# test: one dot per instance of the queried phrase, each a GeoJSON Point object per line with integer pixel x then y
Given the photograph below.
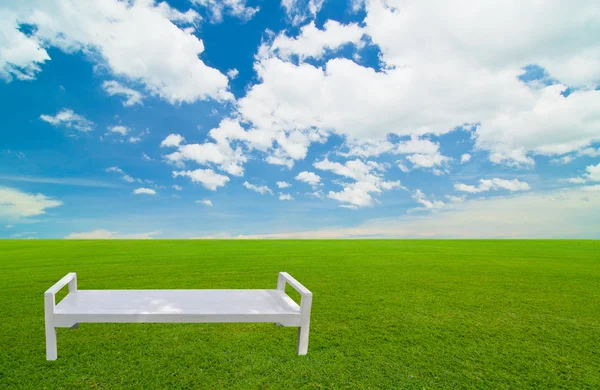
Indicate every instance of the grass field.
{"type": "Point", "coordinates": [386, 314]}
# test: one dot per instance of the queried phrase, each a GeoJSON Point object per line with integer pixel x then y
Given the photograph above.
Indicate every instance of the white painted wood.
{"type": "Point", "coordinates": [49, 312]}
{"type": "Point", "coordinates": [73, 289]}
{"type": "Point", "coordinates": [63, 282]}
{"type": "Point", "coordinates": [51, 351]}
{"type": "Point", "coordinates": [305, 308]}
{"type": "Point", "coordinates": [176, 306]}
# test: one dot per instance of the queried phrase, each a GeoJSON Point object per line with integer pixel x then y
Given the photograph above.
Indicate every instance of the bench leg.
{"type": "Point", "coordinates": [302, 340]}
{"type": "Point", "coordinates": [278, 324]}
{"type": "Point", "coordinates": [51, 351]}
{"type": "Point", "coordinates": [75, 326]}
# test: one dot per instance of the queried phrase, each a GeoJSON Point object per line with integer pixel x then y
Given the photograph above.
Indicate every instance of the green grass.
{"type": "Point", "coordinates": [386, 314]}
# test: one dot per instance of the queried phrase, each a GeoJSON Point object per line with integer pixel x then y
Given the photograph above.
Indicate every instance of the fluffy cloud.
{"type": "Point", "coordinates": [458, 79]}
{"type": "Point", "coordinates": [298, 11]}
{"type": "Point", "coordinates": [69, 119]}
{"type": "Point", "coordinates": [20, 55]}
{"type": "Point", "coordinates": [132, 97]}
{"type": "Point", "coordinates": [493, 184]}
{"type": "Point", "coordinates": [283, 184]}
{"type": "Point", "coordinates": [118, 129]}
{"type": "Point", "coordinates": [283, 196]}
{"type": "Point", "coordinates": [103, 234]}
{"type": "Point", "coordinates": [465, 158]}
{"type": "Point", "coordinates": [309, 177]}
{"type": "Point", "coordinates": [219, 153]}
{"type": "Point", "coordinates": [260, 189]}
{"type": "Point", "coordinates": [420, 197]}
{"type": "Point", "coordinates": [15, 204]}
{"type": "Point", "coordinates": [235, 8]}
{"type": "Point", "coordinates": [232, 73]}
{"type": "Point", "coordinates": [207, 177]}
{"type": "Point", "coordinates": [313, 42]}
{"type": "Point", "coordinates": [144, 191]}
{"type": "Point", "coordinates": [172, 140]}
{"type": "Point", "coordinates": [136, 40]}
{"type": "Point", "coordinates": [540, 128]}
{"type": "Point", "coordinates": [205, 202]}
{"type": "Point", "coordinates": [367, 180]}
{"type": "Point", "coordinates": [592, 173]}
{"type": "Point", "coordinates": [367, 147]}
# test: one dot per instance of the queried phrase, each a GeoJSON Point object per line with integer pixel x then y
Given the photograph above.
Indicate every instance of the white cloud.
{"type": "Point", "coordinates": [457, 79]}
{"type": "Point", "coordinates": [69, 119]}
{"type": "Point", "coordinates": [455, 199]}
{"type": "Point", "coordinates": [309, 177]}
{"type": "Point", "coordinates": [540, 129]}
{"type": "Point", "coordinates": [423, 153]}
{"type": "Point", "coordinates": [134, 140]}
{"type": "Point", "coordinates": [172, 140]}
{"type": "Point", "coordinates": [465, 158]}
{"type": "Point", "coordinates": [493, 184]}
{"type": "Point", "coordinates": [140, 41]}
{"type": "Point", "coordinates": [367, 180]}
{"type": "Point", "coordinates": [232, 73]}
{"type": "Point", "coordinates": [207, 177]}
{"type": "Point", "coordinates": [591, 152]}
{"type": "Point", "coordinates": [427, 160]}
{"type": "Point", "coordinates": [562, 160]}
{"type": "Point", "coordinates": [219, 153]}
{"type": "Point", "coordinates": [235, 8]}
{"type": "Point", "coordinates": [145, 191]}
{"type": "Point", "coordinates": [286, 162]}
{"type": "Point", "coordinates": [367, 147]}
{"type": "Point", "coordinates": [260, 189]}
{"type": "Point", "coordinates": [318, 194]}
{"type": "Point", "coordinates": [420, 197]}
{"type": "Point", "coordinates": [416, 145]}
{"type": "Point", "coordinates": [118, 129]}
{"type": "Point", "coordinates": [592, 173]}
{"type": "Point", "coordinates": [15, 204]}
{"type": "Point", "coordinates": [125, 176]}
{"type": "Point", "coordinates": [132, 97]}
{"type": "Point", "coordinates": [20, 55]}
{"type": "Point", "coordinates": [283, 184]}
{"type": "Point", "coordinates": [402, 166]}
{"type": "Point", "coordinates": [145, 157]}
{"type": "Point", "coordinates": [525, 215]}
{"type": "Point", "coordinates": [283, 196]}
{"type": "Point", "coordinates": [177, 187]}
{"type": "Point", "coordinates": [205, 202]}
{"type": "Point", "coordinates": [313, 42]}
{"type": "Point", "coordinates": [298, 11]}
{"type": "Point", "coordinates": [102, 234]}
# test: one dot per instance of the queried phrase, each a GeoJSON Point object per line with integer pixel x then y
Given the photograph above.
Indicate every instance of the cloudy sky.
{"type": "Point", "coordinates": [324, 119]}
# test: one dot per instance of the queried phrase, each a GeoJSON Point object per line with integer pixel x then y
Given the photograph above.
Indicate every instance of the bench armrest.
{"type": "Point", "coordinates": [305, 302]}
{"type": "Point", "coordinates": [70, 279]}
{"type": "Point", "coordinates": [285, 277]}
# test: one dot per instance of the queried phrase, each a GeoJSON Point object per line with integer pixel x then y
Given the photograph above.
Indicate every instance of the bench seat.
{"type": "Point", "coordinates": [177, 306]}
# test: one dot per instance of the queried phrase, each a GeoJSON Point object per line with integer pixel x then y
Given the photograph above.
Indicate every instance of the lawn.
{"type": "Point", "coordinates": [386, 314]}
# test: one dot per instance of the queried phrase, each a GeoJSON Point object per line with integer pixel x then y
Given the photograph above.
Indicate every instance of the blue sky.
{"type": "Point", "coordinates": [307, 119]}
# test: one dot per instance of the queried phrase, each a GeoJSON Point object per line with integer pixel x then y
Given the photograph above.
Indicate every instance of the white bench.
{"type": "Point", "coordinates": [176, 306]}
